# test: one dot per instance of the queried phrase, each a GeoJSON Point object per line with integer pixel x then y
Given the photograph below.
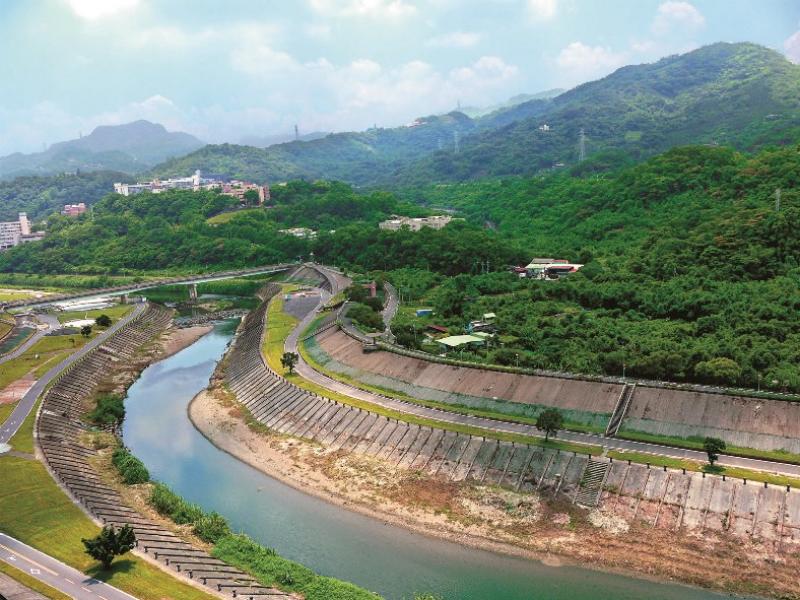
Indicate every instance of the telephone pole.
{"type": "Point", "coordinates": [581, 146]}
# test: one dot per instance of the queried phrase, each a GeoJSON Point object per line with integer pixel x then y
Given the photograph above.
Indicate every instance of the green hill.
{"type": "Point", "coordinates": [741, 95]}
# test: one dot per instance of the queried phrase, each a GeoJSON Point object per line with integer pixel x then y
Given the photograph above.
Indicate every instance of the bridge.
{"type": "Point", "coordinates": [133, 288]}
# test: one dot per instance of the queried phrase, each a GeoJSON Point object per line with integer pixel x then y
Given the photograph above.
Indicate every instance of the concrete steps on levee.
{"type": "Point", "coordinates": [591, 484]}
{"type": "Point", "coordinates": [621, 409]}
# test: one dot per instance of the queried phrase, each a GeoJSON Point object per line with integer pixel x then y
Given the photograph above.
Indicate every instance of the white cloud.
{"type": "Point", "coordinates": [99, 9]}
{"type": "Point", "coordinates": [577, 56]}
{"type": "Point", "coordinates": [374, 9]}
{"type": "Point", "coordinates": [792, 47]}
{"type": "Point", "coordinates": [455, 39]}
{"type": "Point", "coordinates": [542, 10]}
{"type": "Point", "coordinates": [679, 14]}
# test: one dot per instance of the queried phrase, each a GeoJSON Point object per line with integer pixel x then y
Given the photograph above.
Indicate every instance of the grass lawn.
{"type": "Point", "coordinates": [697, 444]}
{"type": "Point", "coordinates": [5, 410]}
{"type": "Point", "coordinates": [34, 510]}
{"type": "Point", "coordinates": [32, 583]}
{"type": "Point", "coordinates": [227, 216]}
{"type": "Point", "coordinates": [115, 312]}
{"type": "Point", "coordinates": [280, 324]}
{"type": "Point", "coordinates": [49, 349]}
{"type": "Point", "coordinates": [692, 465]}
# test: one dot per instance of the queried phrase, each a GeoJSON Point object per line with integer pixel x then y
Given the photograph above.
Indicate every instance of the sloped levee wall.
{"type": "Point", "coordinates": [584, 402]}
{"type": "Point", "coordinates": [740, 421]}
{"type": "Point", "coordinates": [743, 422]}
{"type": "Point", "coordinates": [666, 499]}
{"type": "Point", "coordinates": [58, 431]}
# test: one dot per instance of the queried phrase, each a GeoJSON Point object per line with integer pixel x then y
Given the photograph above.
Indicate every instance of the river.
{"type": "Point", "coordinates": [333, 541]}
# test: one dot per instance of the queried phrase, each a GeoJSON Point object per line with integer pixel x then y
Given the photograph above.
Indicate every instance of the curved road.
{"type": "Point", "coordinates": [308, 372]}
{"type": "Point", "coordinates": [23, 408]}
{"type": "Point", "coordinates": [55, 573]}
{"type": "Point", "coordinates": [49, 320]}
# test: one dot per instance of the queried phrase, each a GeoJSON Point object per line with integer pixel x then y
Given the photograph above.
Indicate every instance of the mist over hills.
{"type": "Point", "coordinates": [742, 94]}
{"type": "Point", "coordinates": [131, 148]}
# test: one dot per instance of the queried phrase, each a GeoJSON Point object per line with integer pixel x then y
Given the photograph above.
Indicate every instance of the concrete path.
{"type": "Point", "coordinates": [55, 573]}
{"type": "Point", "coordinates": [308, 372]}
{"type": "Point", "coordinates": [23, 408]}
{"type": "Point", "coordinates": [390, 308]}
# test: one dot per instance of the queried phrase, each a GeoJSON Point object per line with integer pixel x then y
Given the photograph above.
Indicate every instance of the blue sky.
{"type": "Point", "coordinates": [225, 69]}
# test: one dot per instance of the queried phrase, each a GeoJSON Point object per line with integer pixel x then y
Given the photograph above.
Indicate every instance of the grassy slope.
{"type": "Point", "coordinates": [115, 312]}
{"type": "Point", "coordinates": [34, 510]}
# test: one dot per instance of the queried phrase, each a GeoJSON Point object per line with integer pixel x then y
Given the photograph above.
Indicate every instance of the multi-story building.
{"type": "Point", "coordinates": [415, 223]}
{"type": "Point", "coordinates": [73, 210]}
{"type": "Point", "coordinates": [14, 233]}
{"type": "Point", "coordinates": [196, 182]}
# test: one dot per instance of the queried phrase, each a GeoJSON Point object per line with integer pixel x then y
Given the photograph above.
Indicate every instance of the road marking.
{"type": "Point", "coordinates": [86, 589]}
{"type": "Point", "coordinates": [36, 572]}
{"type": "Point", "coordinates": [30, 560]}
{"type": "Point", "coordinates": [69, 581]}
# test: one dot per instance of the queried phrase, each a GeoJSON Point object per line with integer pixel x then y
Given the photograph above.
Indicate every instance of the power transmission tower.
{"type": "Point", "coordinates": [296, 133]}
{"type": "Point", "coordinates": [456, 145]}
{"type": "Point", "coordinates": [778, 200]}
{"type": "Point", "coordinates": [581, 146]}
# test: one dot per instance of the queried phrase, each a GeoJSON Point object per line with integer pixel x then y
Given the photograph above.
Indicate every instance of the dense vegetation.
{"type": "Point", "coordinates": [40, 196]}
{"type": "Point", "coordinates": [692, 272]}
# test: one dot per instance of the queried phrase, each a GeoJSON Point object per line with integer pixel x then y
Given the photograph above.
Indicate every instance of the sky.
{"type": "Point", "coordinates": [225, 69]}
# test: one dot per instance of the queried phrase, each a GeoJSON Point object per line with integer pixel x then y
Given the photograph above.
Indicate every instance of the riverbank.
{"type": "Point", "coordinates": [550, 530]}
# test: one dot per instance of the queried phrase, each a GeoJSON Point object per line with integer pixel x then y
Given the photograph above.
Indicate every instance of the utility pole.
{"type": "Point", "coordinates": [456, 145]}
{"type": "Point", "coordinates": [778, 200]}
{"type": "Point", "coordinates": [296, 132]}
{"type": "Point", "coordinates": [581, 146]}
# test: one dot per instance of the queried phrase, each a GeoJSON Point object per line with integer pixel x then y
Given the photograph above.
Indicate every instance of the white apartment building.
{"type": "Point", "coordinates": [13, 233]}
{"type": "Point", "coordinates": [415, 223]}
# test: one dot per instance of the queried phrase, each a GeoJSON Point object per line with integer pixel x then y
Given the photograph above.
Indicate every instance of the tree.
{"type": "Point", "coordinates": [110, 543]}
{"type": "Point", "coordinates": [289, 360]}
{"type": "Point", "coordinates": [103, 321]}
{"type": "Point", "coordinates": [713, 446]}
{"type": "Point", "coordinates": [86, 330]}
{"type": "Point", "coordinates": [551, 421]}
{"type": "Point", "coordinates": [251, 198]}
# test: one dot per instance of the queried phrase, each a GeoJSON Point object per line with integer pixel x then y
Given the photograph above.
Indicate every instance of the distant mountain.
{"type": "Point", "coordinates": [475, 112]}
{"type": "Point", "coordinates": [742, 95]}
{"type": "Point", "coordinates": [355, 156]}
{"type": "Point", "coordinates": [130, 148]}
{"type": "Point", "coordinates": [265, 141]}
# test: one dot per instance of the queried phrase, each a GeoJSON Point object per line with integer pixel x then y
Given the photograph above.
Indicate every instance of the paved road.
{"type": "Point", "coordinates": [56, 574]}
{"type": "Point", "coordinates": [308, 372]}
{"type": "Point", "coordinates": [23, 408]}
{"type": "Point", "coordinates": [49, 320]}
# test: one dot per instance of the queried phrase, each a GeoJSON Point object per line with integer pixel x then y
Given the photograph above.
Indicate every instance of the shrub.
{"type": "Point", "coordinates": [374, 303]}
{"type": "Point", "coordinates": [171, 505]}
{"type": "Point", "coordinates": [366, 317]}
{"type": "Point", "coordinates": [109, 410]}
{"type": "Point", "coordinates": [211, 527]}
{"type": "Point", "coordinates": [130, 468]}
{"type": "Point", "coordinates": [103, 321]}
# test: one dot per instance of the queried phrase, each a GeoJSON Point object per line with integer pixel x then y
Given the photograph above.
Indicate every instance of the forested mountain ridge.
{"type": "Point", "coordinates": [355, 157]}
{"type": "Point", "coordinates": [131, 148]}
{"type": "Point", "coordinates": [40, 195]}
{"type": "Point", "coordinates": [742, 95]}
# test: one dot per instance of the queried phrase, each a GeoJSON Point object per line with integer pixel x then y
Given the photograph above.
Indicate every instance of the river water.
{"type": "Point", "coordinates": [333, 541]}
